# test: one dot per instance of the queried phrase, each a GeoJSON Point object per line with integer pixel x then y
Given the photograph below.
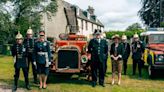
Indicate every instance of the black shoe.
{"type": "Point", "coordinates": [93, 84]}
{"type": "Point", "coordinates": [140, 78]}
{"type": "Point", "coordinates": [102, 85]}
{"type": "Point", "coordinates": [14, 88]}
{"type": "Point", "coordinates": [28, 87]}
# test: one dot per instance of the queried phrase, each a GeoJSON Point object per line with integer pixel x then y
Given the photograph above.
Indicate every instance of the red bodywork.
{"type": "Point", "coordinates": [157, 47]}
{"type": "Point", "coordinates": [75, 41]}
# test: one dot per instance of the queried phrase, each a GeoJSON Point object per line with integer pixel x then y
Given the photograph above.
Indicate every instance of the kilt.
{"type": "Point", "coordinates": [116, 66]}
{"type": "Point", "coordinates": [41, 69]}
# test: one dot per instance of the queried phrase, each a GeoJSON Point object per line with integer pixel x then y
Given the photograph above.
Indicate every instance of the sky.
{"type": "Point", "coordinates": [114, 14]}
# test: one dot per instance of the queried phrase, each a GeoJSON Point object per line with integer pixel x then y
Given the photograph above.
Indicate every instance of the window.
{"type": "Point", "coordinates": [156, 38]}
{"type": "Point", "coordinates": [92, 27]}
{"type": "Point", "coordinates": [82, 25]}
{"type": "Point", "coordinates": [86, 25]}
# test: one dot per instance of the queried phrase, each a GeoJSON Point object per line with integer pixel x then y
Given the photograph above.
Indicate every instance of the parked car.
{"type": "Point", "coordinates": [154, 53]}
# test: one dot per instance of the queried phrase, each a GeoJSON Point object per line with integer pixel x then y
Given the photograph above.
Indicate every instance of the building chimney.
{"type": "Point", "coordinates": [91, 10]}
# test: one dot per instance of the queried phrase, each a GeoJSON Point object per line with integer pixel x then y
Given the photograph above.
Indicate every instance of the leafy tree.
{"type": "Point", "coordinates": [150, 12]}
{"type": "Point", "coordinates": [129, 34]}
{"type": "Point", "coordinates": [6, 26]}
{"type": "Point", "coordinates": [134, 27]}
{"type": "Point", "coordinates": [26, 13]}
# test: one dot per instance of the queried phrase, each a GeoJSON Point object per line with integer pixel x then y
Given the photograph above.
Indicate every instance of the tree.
{"type": "Point", "coordinates": [5, 26]}
{"type": "Point", "coordinates": [150, 12]}
{"type": "Point", "coordinates": [134, 27]}
{"type": "Point", "coordinates": [27, 13]}
{"type": "Point", "coordinates": [129, 34]}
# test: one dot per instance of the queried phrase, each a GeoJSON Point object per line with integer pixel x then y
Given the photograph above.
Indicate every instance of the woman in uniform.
{"type": "Point", "coordinates": [42, 51]}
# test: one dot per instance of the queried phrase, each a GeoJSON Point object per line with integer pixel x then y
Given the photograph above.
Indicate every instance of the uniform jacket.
{"type": "Point", "coordinates": [137, 49]}
{"type": "Point", "coordinates": [116, 51]}
{"type": "Point", "coordinates": [126, 50]}
{"type": "Point", "coordinates": [29, 45]}
{"type": "Point", "coordinates": [19, 53]}
{"type": "Point", "coordinates": [42, 52]}
{"type": "Point", "coordinates": [98, 49]}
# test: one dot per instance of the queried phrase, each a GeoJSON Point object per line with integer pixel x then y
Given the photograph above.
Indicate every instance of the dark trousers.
{"type": "Point", "coordinates": [106, 60]}
{"type": "Point", "coordinates": [34, 70]}
{"type": "Point", "coordinates": [125, 65]}
{"type": "Point", "coordinates": [96, 67]}
{"type": "Point", "coordinates": [139, 63]}
{"type": "Point", "coordinates": [17, 73]}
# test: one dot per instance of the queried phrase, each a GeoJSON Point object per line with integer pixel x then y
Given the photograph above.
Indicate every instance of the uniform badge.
{"type": "Point", "coordinates": [138, 45]}
{"type": "Point", "coordinates": [24, 49]}
{"type": "Point", "coordinates": [44, 43]}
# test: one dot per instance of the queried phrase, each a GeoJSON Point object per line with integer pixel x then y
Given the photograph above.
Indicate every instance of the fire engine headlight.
{"type": "Point", "coordinates": [160, 57]}
{"type": "Point", "coordinates": [84, 59]}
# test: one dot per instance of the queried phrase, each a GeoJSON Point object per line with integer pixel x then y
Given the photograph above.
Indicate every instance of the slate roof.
{"type": "Point", "coordinates": [82, 15]}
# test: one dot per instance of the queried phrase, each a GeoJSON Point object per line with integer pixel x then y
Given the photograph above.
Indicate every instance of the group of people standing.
{"type": "Point", "coordinates": [119, 50]}
{"type": "Point", "coordinates": [31, 51]}
{"type": "Point", "coordinates": [37, 52]}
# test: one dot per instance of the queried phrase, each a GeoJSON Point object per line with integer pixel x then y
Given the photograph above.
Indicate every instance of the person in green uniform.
{"type": "Point", "coordinates": [137, 52]}
{"type": "Point", "coordinates": [116, 53]}
{"type": "Point", "coordinates": [98, 51]}
{"type": "Point", "coordinates": [29, 44]}
{"type": "Point", "coordinates": [126, 52]}
{"type": "Point", "coordinates": [19, 53]}
{"type": "Point", "coordinates": [43, 58]}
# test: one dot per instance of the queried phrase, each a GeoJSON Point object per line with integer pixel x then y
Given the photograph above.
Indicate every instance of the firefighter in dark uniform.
{"type": "Point", "coordinates": [116, 53]}
{"type": "Point", "coordinates": [126, 52]}
{"type": "Point", "coordinates": [106, 60]}
{"type": "Point", "coordinates": [29, 44]}
{"type": "Point", "coordinates": [43, 58]}
{"type": "Point", "coordinates": [137, 52]}
{"type": "Point", "coordinates": [19, 53]}
{"type": "Point", "coordinates": [98, 51]}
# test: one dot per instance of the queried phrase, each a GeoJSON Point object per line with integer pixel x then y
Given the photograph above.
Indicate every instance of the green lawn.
{"type": "Point", "coordinates": [62, 83]}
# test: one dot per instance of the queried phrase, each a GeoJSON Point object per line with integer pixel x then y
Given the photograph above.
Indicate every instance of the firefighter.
{"type": "Point", "coordinates": [137, 52]}
{"type": "Point", "coordinates": [98, 51]}
{"type": "Point", "coordinates": [126, 52]}
{"type": "Point", "coordinates": [19, 53]}
{"type": "Point", "coordinates": [29, 44]}
{"type": "Point", "coordinates": [43, 56]}
{"type": "Point", "coordinates": [116, 53]}
{"type": "Point", "coordinates": [104, 37]}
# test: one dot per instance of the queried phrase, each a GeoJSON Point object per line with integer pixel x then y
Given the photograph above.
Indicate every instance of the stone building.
{"type": "Point", "coordinates": [86, 21]}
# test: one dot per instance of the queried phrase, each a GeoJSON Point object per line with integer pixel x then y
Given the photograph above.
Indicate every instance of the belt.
{"type": "Point", "coordinates": [19, 56]}
{"type": "Point", "coordinates": [42, 53]}
{"type": "Point", "coordinates": [30, 50]}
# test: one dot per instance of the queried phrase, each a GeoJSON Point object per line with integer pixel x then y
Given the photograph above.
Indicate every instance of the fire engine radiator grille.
{"type": "Point", "coordinates": [68, 59]}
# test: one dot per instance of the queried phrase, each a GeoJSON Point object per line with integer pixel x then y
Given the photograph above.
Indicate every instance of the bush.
{"type": "Point", "coordinates": [129, 34]}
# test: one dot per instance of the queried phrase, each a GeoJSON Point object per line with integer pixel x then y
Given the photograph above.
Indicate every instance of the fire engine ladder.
{"type": "Point", "coordinates": [71, 20]}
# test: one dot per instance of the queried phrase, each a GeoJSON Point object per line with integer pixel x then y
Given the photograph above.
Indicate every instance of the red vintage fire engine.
{"type": "Point", "coordinates": [70, 51]}
{"type": "Point", "coordinates": [70, 55]}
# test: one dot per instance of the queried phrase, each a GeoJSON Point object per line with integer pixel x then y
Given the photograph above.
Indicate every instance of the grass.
{"type": "Point", "coordinates": [63, 83]}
